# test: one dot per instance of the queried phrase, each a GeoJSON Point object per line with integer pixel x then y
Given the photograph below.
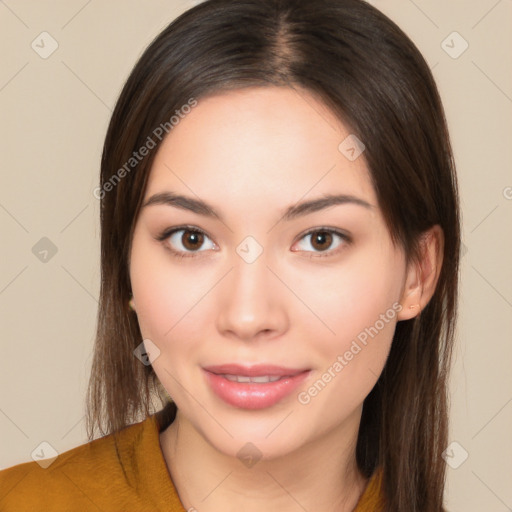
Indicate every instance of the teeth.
{"type": "Point", "coordinates": [257, 380]}
{"type": "Point", "coordinates": [265, 378]}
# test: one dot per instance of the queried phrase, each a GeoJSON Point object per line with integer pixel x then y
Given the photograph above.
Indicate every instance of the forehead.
{"type": "Point", "coordinates": [259, 146]}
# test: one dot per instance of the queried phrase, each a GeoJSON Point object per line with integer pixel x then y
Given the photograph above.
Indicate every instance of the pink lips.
{"type": "Point", "coordinates": [253, 387]}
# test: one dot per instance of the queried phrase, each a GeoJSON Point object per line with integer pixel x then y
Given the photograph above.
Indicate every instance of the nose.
{"type": "Point", "coordinates": [252, 302]}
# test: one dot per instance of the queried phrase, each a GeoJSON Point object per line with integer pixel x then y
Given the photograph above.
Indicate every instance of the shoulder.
{"type": "Point", "coordinates": [88, 477]}
{"type": "Point", "coordinates": [372, 499]}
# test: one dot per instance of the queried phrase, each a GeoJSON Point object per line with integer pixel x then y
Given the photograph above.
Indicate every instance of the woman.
{"type": "Point", "coordinates": [280, 251]}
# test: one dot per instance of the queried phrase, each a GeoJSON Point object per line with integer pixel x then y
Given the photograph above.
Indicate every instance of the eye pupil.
{"type": "Point", "coordinates": [194, 237]}
{"type": "Point", "coordinates": [323, 238]}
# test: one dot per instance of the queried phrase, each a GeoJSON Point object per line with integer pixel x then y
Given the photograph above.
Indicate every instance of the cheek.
{"type": "Point", "coordinates": [166, 292]}
{"type": "Point", "coordinates": [352, 297]}
{"type": "Point", "coordinates": [359, 303]}
{"type": "Point", "coordinates": [169, 313]}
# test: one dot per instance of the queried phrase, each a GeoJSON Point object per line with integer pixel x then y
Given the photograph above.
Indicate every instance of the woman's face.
{"type": "Point", "coordinates": [274, 322]}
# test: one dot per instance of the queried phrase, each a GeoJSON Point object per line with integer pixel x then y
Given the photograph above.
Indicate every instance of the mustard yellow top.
{"type": "Point", "coordinates": [90, 478]}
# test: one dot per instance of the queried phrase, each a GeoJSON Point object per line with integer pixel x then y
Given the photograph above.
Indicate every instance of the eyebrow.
{"type": "Point", "coordinates": [292, 212]}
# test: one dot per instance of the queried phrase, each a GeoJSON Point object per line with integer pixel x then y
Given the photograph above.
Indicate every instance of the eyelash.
{"type": "Point", "coordinates": [162, 237]}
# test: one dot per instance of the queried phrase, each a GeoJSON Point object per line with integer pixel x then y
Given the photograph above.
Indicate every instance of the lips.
{"type": "Point", "coordinates": [253, 387]}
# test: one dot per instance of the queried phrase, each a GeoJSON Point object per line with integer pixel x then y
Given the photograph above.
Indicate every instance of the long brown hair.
{"type": "Point", "coordinates": [370, 74]}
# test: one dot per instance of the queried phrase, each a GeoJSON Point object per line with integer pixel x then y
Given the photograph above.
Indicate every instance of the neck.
{"type": "Point", "coordinates": [321, 475]}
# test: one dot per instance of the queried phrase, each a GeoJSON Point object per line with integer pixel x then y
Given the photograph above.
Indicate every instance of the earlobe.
{"type": "Point", "coordinates": [410, 301]}
{"type": "Point", "coordinates": [423, 274]}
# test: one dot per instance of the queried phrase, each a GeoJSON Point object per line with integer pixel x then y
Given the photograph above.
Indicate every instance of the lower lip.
{"type": "Point", "coordinates": [253, 396]}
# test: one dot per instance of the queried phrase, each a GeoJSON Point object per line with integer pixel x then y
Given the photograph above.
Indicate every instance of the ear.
{"type": "Point", "coordinates": [422, 276]}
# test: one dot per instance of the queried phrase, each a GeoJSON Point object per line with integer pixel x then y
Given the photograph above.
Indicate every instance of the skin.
{"type": "Point", "coordinates": [251, 154]}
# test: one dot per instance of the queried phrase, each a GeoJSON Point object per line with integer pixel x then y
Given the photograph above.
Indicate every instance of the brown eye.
{"type": "Point", "coordinates": [324, 242]}
{"type": "Point", "coordinates": [185, 241]}
{"type": "Point", "coordinates": [321, 240]}
{"type": "Point", "coordinates": [191, 240]}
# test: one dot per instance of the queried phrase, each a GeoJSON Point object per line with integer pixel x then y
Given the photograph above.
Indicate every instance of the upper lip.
{"type": "Point", "coordinates": [256, 370]}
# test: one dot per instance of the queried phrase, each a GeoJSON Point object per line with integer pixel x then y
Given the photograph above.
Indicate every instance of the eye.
{"type": "Point", "coordinates": [185, 241]}
{"type": "Point", "coordinates": [324, 240]}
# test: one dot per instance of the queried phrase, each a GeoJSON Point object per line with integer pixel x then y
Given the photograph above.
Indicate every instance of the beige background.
{"type": "Point", "coordinates": [54, 116]}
